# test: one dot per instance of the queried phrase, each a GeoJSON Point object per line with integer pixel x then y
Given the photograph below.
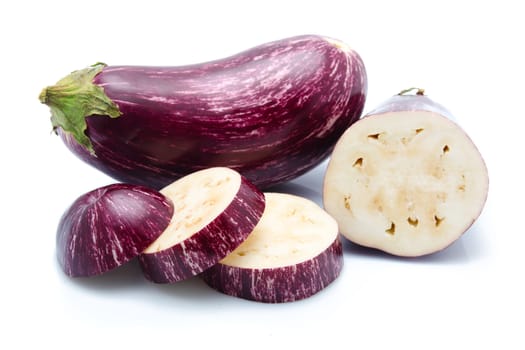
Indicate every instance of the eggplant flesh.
{"type": "Point", "coordinates": [405, 179]}
{"type": "Point", "coordinates": [293, 253]}
{"type": "Point", "coordinates": [215, 211]}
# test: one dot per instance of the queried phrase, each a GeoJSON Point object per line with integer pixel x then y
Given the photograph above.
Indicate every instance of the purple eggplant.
{"type": "Point", "coordinates": [293, 253]}
{"type": "Point", "coordinates": [271, 113]}
{"type": "Point", "coordinates": [109, 226]}
{"type": "Point", "coordinates": [215, 211]}
{"type": "Point", "coordinates": [405, 179]}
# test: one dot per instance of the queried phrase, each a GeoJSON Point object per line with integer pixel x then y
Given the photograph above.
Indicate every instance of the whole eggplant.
{"type": "Point", "coordinates": [271, 113]}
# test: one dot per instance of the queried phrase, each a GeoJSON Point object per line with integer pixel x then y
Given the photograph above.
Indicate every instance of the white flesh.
{"type": "Point", "coordinates": [198, 199]}
{"type": "Point", "coordinates": [408, 183]}
{"type": "Point", "coordinates": [292, 230]}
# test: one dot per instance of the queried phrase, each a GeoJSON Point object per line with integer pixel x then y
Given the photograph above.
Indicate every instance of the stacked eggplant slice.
{"type": "Point", "coordinates": [212, 223]}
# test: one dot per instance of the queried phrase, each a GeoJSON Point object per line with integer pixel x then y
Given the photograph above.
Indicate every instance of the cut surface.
{"type": "Point", "coordinates": [292, 230]}
{"type": "Point", "coordinates": [408, 183]}
{"type": "Point", "coordinates": [291, 254]}
{"type": "Point", "coordinates": [198, 199]}
{"type": "Point", "coordinates": [217, 210]}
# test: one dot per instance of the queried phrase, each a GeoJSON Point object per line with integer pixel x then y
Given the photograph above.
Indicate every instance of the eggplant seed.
{"type": "Point", "coordinates": [438, 220]}
{"type": "Point", "coordinates": [413, 222]}
{"type": "Point", "coordinates": [346, 200]}
{"type": "Point", "coordinates": [392, 229]}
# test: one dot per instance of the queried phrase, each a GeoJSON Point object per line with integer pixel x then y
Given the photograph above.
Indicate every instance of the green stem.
{"type": "Point", "coordinates": [419, 91]}
{"type": "Point", "coordinates": [74, 98]}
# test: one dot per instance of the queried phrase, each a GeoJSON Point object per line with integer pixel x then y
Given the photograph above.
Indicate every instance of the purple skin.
{"type": "Point", "coordinates": [406, 103]}
{"type": "Point", "coordinates": [211, 244]}
{"type": "Point", "coordinates": [109, 226]}
{"type": "Point", "coordinates": [271, 113]}
{"type": "Point", "coordinates": [278, 285]}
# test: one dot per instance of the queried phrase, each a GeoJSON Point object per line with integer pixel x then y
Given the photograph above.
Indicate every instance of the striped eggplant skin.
{"type": "Point", "coordinates": [271, 113]}
{"type": "Point", "coordinates": [403, 102]}
{"type": "Point", "coordinates": [210, 244]}
{"type": "Point", "coordinates": [109, 226]}
{"type": "Point", "coordinates": [279, 284]}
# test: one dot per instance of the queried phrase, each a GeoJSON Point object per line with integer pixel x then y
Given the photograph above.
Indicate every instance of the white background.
{"type": "Point", "coordinates": [467, 55]}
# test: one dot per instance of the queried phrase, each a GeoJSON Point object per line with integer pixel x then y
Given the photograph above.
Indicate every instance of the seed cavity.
{"type": "Point", "coordinates": [209, 202]}
{"type": "Point", "coordinates": [445, 149]}
{"type": "Point", "coordinates": [406, 139]}
{"type": "Point", "coordinates": [413, 221]}
{"type": "Point", "coordinates": [307, 219]}
{"type": "Point", "coordinates": [241, 253]}
{"type": "Point", "coordinates": [220, 182]}
{"type": "Point", "coordinates": [462, 186]}
{"type": "Point", "coordinates": [392, 229]}
{"type": "Point", "coordinates": [438, 220]}
{"type": "Point", "coordinates": [377, 203]}
{"type": "Point", "coordinates": [358, 162]}
{"type": "Point", "coordinates": [346, 200]}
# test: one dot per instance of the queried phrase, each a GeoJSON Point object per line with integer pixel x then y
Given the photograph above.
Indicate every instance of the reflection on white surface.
{"type": "Point", "coordinates": [309, 185]}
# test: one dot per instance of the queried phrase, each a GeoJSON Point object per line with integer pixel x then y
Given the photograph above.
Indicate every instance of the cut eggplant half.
{"type": "Point", "coordinates": [215, 210]}
{"type": "Point", "coordinates": [293, 253]}
{"type": "Point", "coordinates": [109, 226]}
{"type": "Point", "coordinates": [405, 179]}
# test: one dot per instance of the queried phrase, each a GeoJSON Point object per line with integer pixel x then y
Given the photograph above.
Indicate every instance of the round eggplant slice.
{"type": "Point", "coordinates": [109, 226]}
{"type": "Point", "coordinates": [405, 179]}
{"type": "Point", "coordinates": [215, 210]}
{"type": "Point", "coordinates": [293, 253]}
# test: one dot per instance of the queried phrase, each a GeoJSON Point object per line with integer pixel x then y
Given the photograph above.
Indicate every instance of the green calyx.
{"type": "Point", "coordinates": [74, 98]}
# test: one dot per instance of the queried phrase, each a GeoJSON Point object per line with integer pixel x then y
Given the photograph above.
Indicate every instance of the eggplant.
{"type": "Point", "coordinates": [215, 211]}
{"type": "Point", "coordinates": [271, 113]}
{"type": "Point", "coordinates": [405, 179]}
{"type": "Point", "coordinates": [108, 226]}
{"type": "Point", "coordinates": [293, 253]}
